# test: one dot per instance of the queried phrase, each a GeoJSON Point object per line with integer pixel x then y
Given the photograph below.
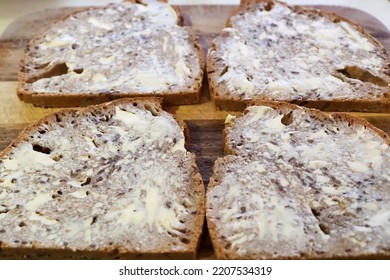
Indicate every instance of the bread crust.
{"type": "Point", "coordinates": [231, 155]}
{"type": "Point", "coordinates": [219, 245]}
{"type": "Point", "coordinates": [72, 99]}
{"type": "Point", "coordinates": [322, 116]}
{"type": "Point", "coordinates": [39, 251]}
{"type": "Point", "coordinates": [235, 103]}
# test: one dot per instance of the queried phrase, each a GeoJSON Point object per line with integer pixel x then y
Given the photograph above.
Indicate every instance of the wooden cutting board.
{"type": "Point", "coordinates": [204, 120]}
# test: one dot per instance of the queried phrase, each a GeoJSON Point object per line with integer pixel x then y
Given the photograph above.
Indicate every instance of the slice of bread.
{"type": "Point", "coordinates": [108, 181]}
{"type": "Point", "coordinates": [120, 50]}
{"type": "Point", "coordinates": [272, 51]}
{"type": "Point", "coordinates": [300, 184]}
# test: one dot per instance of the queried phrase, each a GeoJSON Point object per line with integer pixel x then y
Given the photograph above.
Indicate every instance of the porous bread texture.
{"type": "Point", "coordinates": [119, 50]}
{"type": "Point", "coordinates": [300, 184]}
{"type": "Point", "coordinates": [271, 51]}
{"type": "Point", "coordinates": [109, 181]}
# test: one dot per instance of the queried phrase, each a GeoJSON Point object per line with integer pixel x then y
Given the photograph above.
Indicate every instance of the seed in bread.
{"type": "Point", "coordinates": [272, 51]}
{"type": "Point", "coordinates": [300, 184]}
{"type": "Point", "coordinates": [119, 50]}
{"type": "Point", "coordinates": [108, 181]}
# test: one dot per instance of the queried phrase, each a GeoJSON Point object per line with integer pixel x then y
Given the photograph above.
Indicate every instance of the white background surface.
{"type": "Point", "coordinates": [281, 270]}
{"type": "Point", "coordinates": [11, 9]}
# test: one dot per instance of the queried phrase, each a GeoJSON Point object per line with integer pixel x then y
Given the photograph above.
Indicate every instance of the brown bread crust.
{"type": "Point", "coordinates": [72, 99]}
{"type": "Point", "coordinates": [223, 166]}
{"type": "Point", "coordinates": [235, 103]}
{"type": "Point", "coordinates": [37, 250]}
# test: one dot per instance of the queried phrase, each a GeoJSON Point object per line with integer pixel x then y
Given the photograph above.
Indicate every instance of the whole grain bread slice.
{"type": "Point", "coordinates": [97, 54]}
{"type": "Point", "coordinates": [108, 181]}
{"type": "Point", "coordinates": [299, 184]}
{"type": "Point", "coordinates": [272, 51]}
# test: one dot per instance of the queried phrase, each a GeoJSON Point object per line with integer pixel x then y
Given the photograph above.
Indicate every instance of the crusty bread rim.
{"type": "Point", "coordinates": [246, 5]}
{"type": "Point", "coordinates": [337, 104]}
{"type": "Point", "coordinates": [222, 254]}
{"type": "Point", "coordinates": [236, 104]}
{"type": "Point", "coordinates": [353, 120]}
{"type": "Point", "coordinates": [285, 106]}
{"type": "Point", "coordinates": [231, 154]}
{"type": "Point", "coordinates": [191, 96]}
{"type": "Point", "coordinates": [60, 252]}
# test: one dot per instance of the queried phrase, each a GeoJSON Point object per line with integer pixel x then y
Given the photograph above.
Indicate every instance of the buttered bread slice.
{"type": "Point", "coordinates": [271, 51]}
{"type": "Point", "coordinates": [119, 50]}
{"type": "Point", "coordinates": [300, 184]}
{"type": "Point", "coordinates": [109, 181]}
